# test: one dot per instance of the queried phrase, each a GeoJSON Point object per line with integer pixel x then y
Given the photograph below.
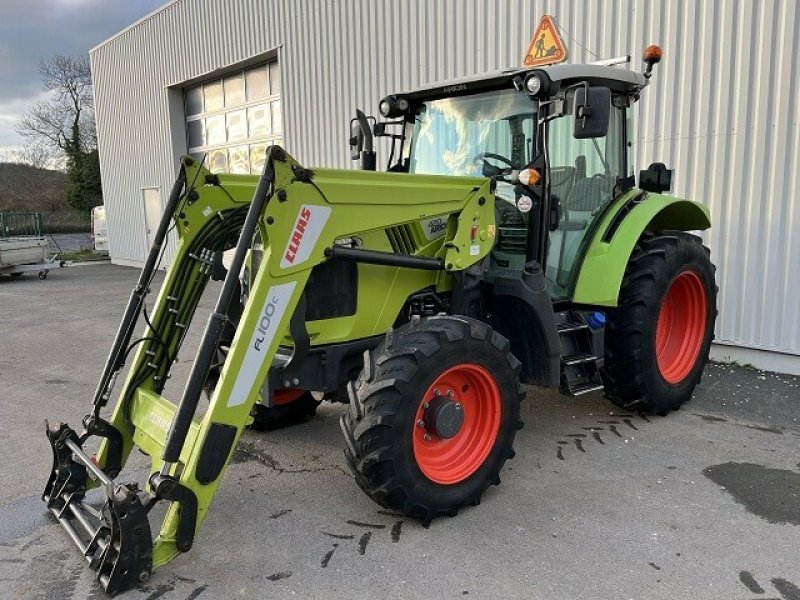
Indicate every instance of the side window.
{"type": "Point", "coordinates": [583, 174]}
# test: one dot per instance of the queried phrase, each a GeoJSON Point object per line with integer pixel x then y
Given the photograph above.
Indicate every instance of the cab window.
{"type": "Point", "coordinates": [583, 175]}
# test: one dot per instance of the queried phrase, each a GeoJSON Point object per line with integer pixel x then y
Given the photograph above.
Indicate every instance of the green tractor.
{"type": "Point", "coordinates": [506, 244]}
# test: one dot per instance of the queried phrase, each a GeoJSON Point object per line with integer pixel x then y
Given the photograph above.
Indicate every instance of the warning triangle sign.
{"type": "Point", "coordinates": [546, 47]}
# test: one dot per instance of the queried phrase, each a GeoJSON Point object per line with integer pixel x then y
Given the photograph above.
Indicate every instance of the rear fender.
{"type": "Point", "coordinates": [600, 276]}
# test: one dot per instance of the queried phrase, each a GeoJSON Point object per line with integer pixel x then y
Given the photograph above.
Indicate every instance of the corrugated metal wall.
{"type": "Point", "coordinates": [722, 109]}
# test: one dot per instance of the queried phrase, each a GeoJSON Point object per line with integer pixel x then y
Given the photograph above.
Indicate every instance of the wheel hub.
{"type": "Point", "coordinates": [444, 417]}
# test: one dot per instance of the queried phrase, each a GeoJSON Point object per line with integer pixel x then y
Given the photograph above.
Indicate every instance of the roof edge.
{"type": "Point", "coordinates": [136, 23]}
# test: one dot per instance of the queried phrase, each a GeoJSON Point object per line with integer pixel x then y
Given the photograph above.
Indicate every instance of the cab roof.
{"type": "Point", "coordinates": [618, 80]}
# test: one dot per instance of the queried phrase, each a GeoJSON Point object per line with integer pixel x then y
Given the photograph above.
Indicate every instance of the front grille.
{"type": "Point", "coordinates": [401, 239]}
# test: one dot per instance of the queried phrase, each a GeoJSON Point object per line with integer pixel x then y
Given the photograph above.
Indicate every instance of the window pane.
{"type": "Point", "coordinates": [257, 83]}
{"type": "Point", "coordinates": [212, 92]}
{"type": "Point", "coordinates": [258, 153]}
{"type": "Point", "coordinates": [195, 133]}
{"type": "Point", "coordinates": [194, 101]}
{"type": "Point", "coordinates": [276, 116]}
{"type": "Point", "coordinates": [237, 126]}
{"type": "Point", "coordinates": [259, 120]}
{"type": "Point", "coordinates": [215, 130]}
{"type": "Point", "coordinates": [274, 78]}
{"type": "Point", "coordinates": [238, 160]}
{"type": "Point", "coordinates": [234, 91]}
{"type": "Point", "coordinates": [218, 161]}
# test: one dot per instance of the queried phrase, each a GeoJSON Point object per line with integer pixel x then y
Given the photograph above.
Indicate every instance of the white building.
{"type": "Point", "coordinates": [228, 77]}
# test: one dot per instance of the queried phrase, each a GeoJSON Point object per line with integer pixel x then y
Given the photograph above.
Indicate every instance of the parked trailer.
{"type": "Point", "coordinates": [23, 246]}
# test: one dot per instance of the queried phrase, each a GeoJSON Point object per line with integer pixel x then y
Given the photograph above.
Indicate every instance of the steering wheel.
{"type": "Point", "coordinates": [484, 155]}
{"type": "Point", "coordinates": [490, 170]}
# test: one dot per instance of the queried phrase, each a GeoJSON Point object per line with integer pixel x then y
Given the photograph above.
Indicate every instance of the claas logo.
{"type": "Point", "coordinates": [297, 235]}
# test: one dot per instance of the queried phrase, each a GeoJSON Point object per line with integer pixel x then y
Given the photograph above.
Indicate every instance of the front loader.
{"type": "Point", "coordinates": [506, 244]}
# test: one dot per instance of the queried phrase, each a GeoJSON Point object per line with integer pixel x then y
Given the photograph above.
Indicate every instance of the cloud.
{"type": "Point", "coordinates": [31, 30]}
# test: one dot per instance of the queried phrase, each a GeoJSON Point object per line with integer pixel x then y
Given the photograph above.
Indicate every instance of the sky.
{"type": "Point", "coordinates": [31, 30]}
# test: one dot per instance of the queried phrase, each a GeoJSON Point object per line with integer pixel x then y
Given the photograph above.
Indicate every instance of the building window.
{"type": "Point", "coordinates": [234, 119]}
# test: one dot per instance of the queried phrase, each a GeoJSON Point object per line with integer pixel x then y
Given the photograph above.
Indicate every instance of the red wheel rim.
{"type": "Point", "coordinates": [681, 327]}
{"type": "Point", "coordinates": [450, 461]}
{"type": "Point", "coordinates": [286, 396]}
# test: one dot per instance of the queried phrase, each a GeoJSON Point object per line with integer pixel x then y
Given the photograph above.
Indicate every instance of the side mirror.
{"type": "Point", "coordinates": [356, 139]}
{"type": "Point", "coordinates": [361, 141]}
{"type": "Point", "coordinates": [656, 178]}
{"type": "Point", "coordinates": [592, 112]}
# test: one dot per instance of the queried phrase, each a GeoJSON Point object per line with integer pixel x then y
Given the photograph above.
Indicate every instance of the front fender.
{"type": "Point", "coordinates": [607, 255]}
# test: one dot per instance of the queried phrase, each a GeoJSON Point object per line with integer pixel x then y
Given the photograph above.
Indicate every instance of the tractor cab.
{"type": "Point", "coordinates": [554, 139]}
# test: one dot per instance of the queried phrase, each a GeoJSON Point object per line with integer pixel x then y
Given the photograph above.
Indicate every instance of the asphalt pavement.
{"type": "Point", "coordinates": [598, 503]}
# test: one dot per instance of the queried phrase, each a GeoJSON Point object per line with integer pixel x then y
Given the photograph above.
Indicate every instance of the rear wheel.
{"type": "Point", "coordinates": [433, 416]}
{"type": "Point", "coordinates": [290, 407]}
{"type": "Point", "coordinates": [657, 340]}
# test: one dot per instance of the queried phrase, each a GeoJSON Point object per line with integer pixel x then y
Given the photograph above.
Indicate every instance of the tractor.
{"type": "Point", "coordinates": [507, 243]}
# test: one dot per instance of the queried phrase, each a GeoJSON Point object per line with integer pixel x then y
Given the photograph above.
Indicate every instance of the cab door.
{"type": "Point", "coordinates": [583, 176]}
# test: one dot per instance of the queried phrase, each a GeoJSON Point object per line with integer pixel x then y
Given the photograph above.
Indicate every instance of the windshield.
{"type": "Point", "coordinates": [451, 134]}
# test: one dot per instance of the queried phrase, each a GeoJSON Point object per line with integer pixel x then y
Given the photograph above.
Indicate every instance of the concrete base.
{"type": "Point", "coordinates": [766, 360]}
{"type": "Point", "coordinates": [124, 262]}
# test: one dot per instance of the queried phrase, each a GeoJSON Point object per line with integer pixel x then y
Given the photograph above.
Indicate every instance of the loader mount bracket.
{"type": "Point", "coordinates": [94, 425]}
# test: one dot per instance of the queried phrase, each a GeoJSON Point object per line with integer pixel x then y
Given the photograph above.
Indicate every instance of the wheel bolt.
{"type": "Point", "coordinates": [420, 423]}
{"type": "Point", "coordinates": [426, 437]}
{"type": "Point", "coordinates": [458, 405]}
{"type": "Point", "coordinates": [449, 393]}
{"type": "Point", "coordinates": [436, 392]}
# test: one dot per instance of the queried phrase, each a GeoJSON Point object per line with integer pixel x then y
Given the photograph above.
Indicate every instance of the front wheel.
{"type": "Point", "coordinates": [658, 338]}
{"type": "Point", "coordinates": [433, 416]}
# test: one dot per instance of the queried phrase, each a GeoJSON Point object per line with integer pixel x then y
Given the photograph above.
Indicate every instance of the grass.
{"type": "Point", "coordinates": [85, 254]}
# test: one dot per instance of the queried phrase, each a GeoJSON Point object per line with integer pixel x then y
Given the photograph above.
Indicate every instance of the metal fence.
{"type": "Point", "coordinates": [14, 225]}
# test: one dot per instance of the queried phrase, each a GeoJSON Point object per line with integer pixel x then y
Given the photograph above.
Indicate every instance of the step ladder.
{"type": "Point", "coordinates": [580, 366]}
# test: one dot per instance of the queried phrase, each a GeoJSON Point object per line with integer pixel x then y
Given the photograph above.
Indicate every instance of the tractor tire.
{"type": "Point", "coordinates": [433, 415]}
{"type": "Point", "coordinates": [291, 408]}
{"type": "Point", "coordinates": [658, 338]}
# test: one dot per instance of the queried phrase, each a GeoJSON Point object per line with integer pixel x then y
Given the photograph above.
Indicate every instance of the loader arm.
{"type": "Point", "coordinates": [305, 218]}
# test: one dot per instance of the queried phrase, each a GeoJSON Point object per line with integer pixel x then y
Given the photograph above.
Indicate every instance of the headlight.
{"type": "Point", "coordinates": [533, 84]}
{"type": "Point", "coordinates": [539, 85]}
{"type": "Point", "coordinates": [392, 107]}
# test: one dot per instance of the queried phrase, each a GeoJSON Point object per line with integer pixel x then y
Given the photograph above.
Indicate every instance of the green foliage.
{"type": "Point", "coordinates": [83, 187]}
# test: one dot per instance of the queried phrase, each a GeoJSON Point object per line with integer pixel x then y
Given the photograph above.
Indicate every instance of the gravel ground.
{"type": "Point", "coordinates": [598, 503]}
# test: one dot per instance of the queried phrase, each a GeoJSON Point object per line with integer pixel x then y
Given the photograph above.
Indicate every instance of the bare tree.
{"type": "Point", "coordinates": [64, 122]}
{"type": "Point", "coordinates": [36, 155]}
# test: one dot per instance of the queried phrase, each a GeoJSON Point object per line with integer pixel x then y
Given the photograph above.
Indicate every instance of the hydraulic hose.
{"type": "Point", "coordinates": [208, 346]}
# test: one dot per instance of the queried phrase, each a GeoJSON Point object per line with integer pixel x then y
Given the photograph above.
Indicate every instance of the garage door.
{"type": "Point", "coordinates": [234, 118]}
